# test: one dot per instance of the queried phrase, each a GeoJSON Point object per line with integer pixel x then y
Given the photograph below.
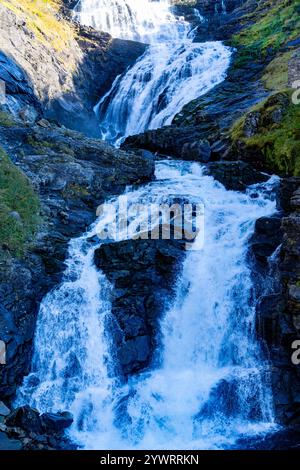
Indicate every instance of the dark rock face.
{"type": "Point", "coordinates": [19, 94]}
{"type": "Point", "coordinates": [235, 175]}
{"type": "Point", "coordinates": [25, 418]}
{"type": "Point", "coordinates": [35, 431]}
{"type": "Point", "coordinates": [56, 422]}
{"type": "Point", "coordinates": [73, 175]}
{"type": "Point", "coordinates": [187, 143]}
{"type": "Point", "coordinates": [66, 84]}
{"type": "Point", "coordinates": [103, 59]}
{"type": "Point", "coordinates": [143, 273]}
{"type": "Point", "coordinates": [278, 313]}
{"type": "Point", "coordinates": [216, 13]}
{"type": "Point", "coordinates": [267, 238]}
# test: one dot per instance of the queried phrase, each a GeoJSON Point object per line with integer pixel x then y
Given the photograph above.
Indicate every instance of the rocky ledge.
{"type": "Point", "coordinates": [276, 250]}
{"type": "Point", "coordinates": [26, 429]}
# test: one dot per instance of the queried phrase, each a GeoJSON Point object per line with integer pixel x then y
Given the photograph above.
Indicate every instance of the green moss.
{"type": "Point", "coordinates": [43, 145]}
{"type": "Point", "coordinates": [75, 191]}
{"type": "Point", "coordinates": [19, 207]}
{"type": "Point", "coordinates": [273, 24]}
{"type": "Point", "coordinates": [276, 73]}
{"type": "Point", "coordinates": [277, 142]}
{"type": "Point", "coordinates": [6, 119]}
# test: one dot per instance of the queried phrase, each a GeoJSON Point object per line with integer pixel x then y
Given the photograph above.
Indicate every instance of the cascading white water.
{"type": "Point", "coordinates": [139, 20]}
{"type": "Point", "coordinates": [211, 387]}
{"type": "Point", "coordinates": [172, 72]}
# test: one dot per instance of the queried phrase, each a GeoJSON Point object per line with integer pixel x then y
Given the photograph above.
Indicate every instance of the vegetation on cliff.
{"type": "Point", "coordinates": [270, 37]}
{"type": "Point", "coordinates": [42, 17]}
{"type": "Point", "coordinates": [19, 207]}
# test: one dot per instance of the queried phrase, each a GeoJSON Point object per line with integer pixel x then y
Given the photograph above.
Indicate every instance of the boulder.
{"type": "Point", "coordinates": [235, 175]}
{"type": "Point", "coordinates": [56, 422]}
{"type": "Point", "coordinates": [199, 151]}
{"type": "Point", "coordinates": [267, 238]}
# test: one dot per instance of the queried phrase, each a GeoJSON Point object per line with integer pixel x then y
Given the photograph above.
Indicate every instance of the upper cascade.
{"type": "Point", "coordinates": [146, 21]}
{"type": "Point", "coordinates": [173, 71]}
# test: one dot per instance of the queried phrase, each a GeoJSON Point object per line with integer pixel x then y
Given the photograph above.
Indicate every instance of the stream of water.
{"type": "Point", "coordinates": [211, 386]}
{"type": "Point", "coordinates": [173, 71]}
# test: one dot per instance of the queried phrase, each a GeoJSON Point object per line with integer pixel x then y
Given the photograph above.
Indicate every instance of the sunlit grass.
{"type": "Point", "coordinates": [41, 17]}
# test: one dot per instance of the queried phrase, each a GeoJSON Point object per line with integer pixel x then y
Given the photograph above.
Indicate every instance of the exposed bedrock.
{"type": "Point", "coordinates": [72, 175]}
{"type": "Point", "coordinates": [278, 310]}
{"type": "Point", "coordinates": [63, 78]}
{"type": "Point", "coordinates": [143, 274]}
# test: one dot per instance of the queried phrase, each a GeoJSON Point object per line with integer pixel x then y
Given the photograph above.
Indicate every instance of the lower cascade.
{"type": "Point", "coordinates": [209, 384]}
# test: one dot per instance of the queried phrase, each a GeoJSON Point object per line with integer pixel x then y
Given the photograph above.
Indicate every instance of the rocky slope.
{"type": "Point", "coordinates": [52, 179]}
{"type": "Point", "coordinates": [238, 130]}
{"type": "Point", "coordinates": [244, 128]}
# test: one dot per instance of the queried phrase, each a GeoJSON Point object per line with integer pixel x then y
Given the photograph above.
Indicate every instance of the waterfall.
{"type": "Point", "coordinates": [172, 72]}
{"type": "Point", "coordinates": [212, 385]}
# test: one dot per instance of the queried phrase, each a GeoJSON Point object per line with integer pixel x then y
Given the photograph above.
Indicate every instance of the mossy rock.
{"type": "Point", "coordinates": [271, 132]}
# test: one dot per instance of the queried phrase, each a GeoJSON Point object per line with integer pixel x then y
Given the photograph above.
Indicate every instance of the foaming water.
{"type": "Point", "coordinates": [172, 72]}
{"type": "Point", "coordinates": [211, 386]}
{"type": "Point", "coordinates": [139, 20]}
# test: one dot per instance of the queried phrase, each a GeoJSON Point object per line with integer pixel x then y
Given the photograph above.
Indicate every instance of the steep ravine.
{"type": "Point", "coordinates": [73, 174]}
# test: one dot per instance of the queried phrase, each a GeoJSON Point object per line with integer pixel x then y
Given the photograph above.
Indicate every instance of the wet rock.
{"type": "Point", "coordinates": [269, 226]}
{"type": "Point", "coordinates": [288, 187]}
{"type": "Point", "coordinates": [267, 238]}
{"type": "Point", "coordinates": [56, 422]}
{"type": "Point", "coordinates": [72, 175]}
{"type": "Point", "coordinates": [271, 318]}
{"type": "Point", "coordinates": [235, 175]}
{"type": "Point", "coordinates": [187, 143]}
{"type": "Point", "coordinates": [290, 264]}
{"type": "Point", "coordinates": [143, 273]}
{"type": "Point", "coordinates": [26, 429]}
{"type": "Point", "coordinates": [4, 411]}
{"type": "Point", "coordinates": [25, 418]}
{"type": "Point", "coordinates": [199, 151]}
{"type": "Point", "coordinates": [295, 201]}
